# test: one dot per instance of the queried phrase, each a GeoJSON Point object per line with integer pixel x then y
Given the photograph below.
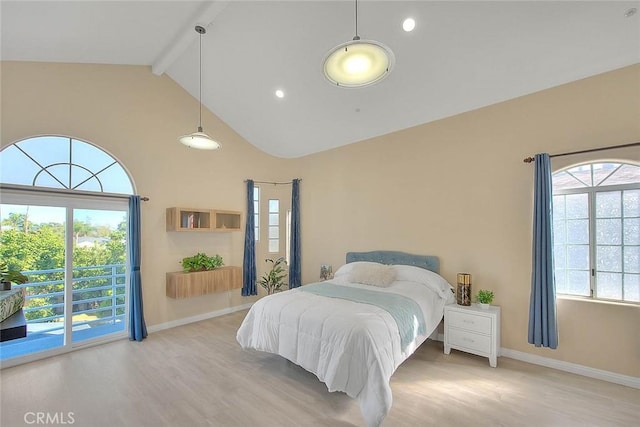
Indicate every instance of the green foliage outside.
{"type": "Point", "coordinates": [26, 246]}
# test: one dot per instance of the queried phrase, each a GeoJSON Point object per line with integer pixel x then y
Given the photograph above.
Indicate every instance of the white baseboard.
{"type": "Point", "coordinates": [573, 368]}
{"type": "Point", "coordinates": [197, 318]}
{"type": "Point", "coordinates": [561, 365]}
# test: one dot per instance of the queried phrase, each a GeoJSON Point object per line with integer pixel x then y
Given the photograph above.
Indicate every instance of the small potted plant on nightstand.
{"type": "Point", "coordinates": [484, 298]}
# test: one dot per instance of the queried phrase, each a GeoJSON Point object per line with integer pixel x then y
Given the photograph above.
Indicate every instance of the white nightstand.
{"type": "Point", "coordinates": [473, 329]}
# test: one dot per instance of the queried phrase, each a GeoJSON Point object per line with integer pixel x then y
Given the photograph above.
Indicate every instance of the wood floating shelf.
{"type": "Point", "coordinates": [187, 219]}
{"type": "Point", "coordinates": [194, 284]}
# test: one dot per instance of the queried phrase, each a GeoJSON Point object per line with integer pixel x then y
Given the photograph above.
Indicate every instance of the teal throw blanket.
{"type": "Point", "coordinates": [405, 311]}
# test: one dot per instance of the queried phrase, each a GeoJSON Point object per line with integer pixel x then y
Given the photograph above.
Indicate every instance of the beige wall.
{"type": "Point", "coordinates": [456, 188]}
{"type": "Point", "coordinates": [137, 116]}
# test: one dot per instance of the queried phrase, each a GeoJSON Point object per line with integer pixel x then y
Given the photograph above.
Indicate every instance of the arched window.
{"type": "Point", "coordinates": [62, 163]}
{"type": "Point", "coordinates": [596, 219]}
{"type": "Point", "coordinates": [63, 223]}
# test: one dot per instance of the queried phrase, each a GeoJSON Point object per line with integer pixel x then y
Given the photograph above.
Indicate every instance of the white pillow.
{"type": "Point", "coordinates": [419, 275]}
{"type": "Point", "coordinates": [374, 274]}
{"type": "Point", "coordinates": [346, 269]}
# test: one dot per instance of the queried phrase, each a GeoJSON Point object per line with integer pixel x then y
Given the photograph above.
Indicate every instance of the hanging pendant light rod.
{"type": "Point", "coordinates": [357, 37]}
{"type": "Point", "coordinates": [200, 30]}
{"type": "Point", "coordinates": [199, 139]}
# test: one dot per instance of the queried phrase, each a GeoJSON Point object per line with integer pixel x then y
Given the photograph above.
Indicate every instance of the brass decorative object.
{"type": "Point", "coordinates": [463, 290]}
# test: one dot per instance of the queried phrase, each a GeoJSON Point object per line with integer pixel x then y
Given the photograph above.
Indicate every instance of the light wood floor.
{"type": "Point", "coordinates": [197, 375]}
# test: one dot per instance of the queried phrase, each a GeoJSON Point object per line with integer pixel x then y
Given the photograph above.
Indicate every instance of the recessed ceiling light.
{"type": "Point", "coordinates": [630, 12]}
{"type": "Point", "coordinates": [280, 93]}
{"type": "Point", "coordinates": [409, 24]}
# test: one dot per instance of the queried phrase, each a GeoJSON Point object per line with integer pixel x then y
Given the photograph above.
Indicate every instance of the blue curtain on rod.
{"type": "Point", "coordinates": [249, 275]}
{"type": "Point", "coordinates": [295, 272]}
{"type": "Point", "coordinates": [137, 327]}
{"type": "Point", "coordinates": [543, 328]}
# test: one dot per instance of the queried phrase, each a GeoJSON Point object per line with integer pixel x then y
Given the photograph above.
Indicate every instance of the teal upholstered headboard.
{"type": "Point", "coordinates": [427, 262]}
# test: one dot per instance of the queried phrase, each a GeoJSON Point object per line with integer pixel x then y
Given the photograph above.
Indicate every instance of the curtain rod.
{"type": "Point", "coordinates": [70, 193]}
{"type": "Point", "coordinates": [272, 182]}
{"type": "Point", "coordinates": [633, 144]}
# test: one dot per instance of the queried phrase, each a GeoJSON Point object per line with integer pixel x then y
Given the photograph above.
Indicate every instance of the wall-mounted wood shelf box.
{"type": "Point", "coordinates": [194, 284]}
{"type": "Point", "coordinates": [227, 220]}
{"type": "Point", "coordinates": [187, 219]}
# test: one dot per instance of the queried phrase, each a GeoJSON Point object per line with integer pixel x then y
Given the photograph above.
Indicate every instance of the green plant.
{"type": "Point", "coordinates": [201, 262]}
{"type": "Point", "coordinates": [274, 279]}
{"type": "Point", "coordinates": [11, 276]}
{"type": "Point", "coordinates": [484, 296]}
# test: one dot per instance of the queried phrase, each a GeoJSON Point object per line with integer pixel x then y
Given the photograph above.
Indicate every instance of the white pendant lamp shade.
{"type": "Point", "coordinates": [199, 139]}
{"type": "Point", "coordinates": [358, 63]}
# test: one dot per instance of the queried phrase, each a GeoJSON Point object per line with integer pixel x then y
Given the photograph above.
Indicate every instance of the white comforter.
{"type": "Point", "coordinates": [351, 347]}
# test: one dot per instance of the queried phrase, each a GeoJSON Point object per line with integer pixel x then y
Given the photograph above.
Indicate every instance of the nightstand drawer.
{"type": "Point", "coordinates": [470, 322]}
{"type": "Point", "coordinates": [470, 340]}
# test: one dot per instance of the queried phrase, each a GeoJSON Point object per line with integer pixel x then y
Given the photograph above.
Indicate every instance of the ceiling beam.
{"type": "Point", "coordinates": [205, 18]}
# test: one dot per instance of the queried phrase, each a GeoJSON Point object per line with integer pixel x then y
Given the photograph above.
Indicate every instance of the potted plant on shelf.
{"type": "Point", "coordinates": [273, 281]}
{"type": "Point", "coordinates": [201, 275]}
{"type": "Point", "coordinates": [484, 298]}
{"type": "Point", "coordinates": [9, 276]}
{"type": "Point", "coordinates": [201, 262]}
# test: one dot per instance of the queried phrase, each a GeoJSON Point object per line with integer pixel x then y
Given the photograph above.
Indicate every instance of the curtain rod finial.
{"type": "Point", "coordinates": [529, 160]}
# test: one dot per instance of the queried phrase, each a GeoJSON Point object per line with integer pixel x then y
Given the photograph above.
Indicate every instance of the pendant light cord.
{"type": "Point", "coordinates": [357, 37]}
{"type": "Point", "coordinates": [200, 125]}
{"type": "Point", "coordinates": [199, 139]}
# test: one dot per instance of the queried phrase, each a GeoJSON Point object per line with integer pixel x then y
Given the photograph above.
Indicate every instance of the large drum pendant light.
{"type": "Point", "coordinates": [358, 63]}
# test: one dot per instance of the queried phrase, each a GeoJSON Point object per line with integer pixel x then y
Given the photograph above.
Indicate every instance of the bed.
{"type": "Point", "coordinates": [354, 330]}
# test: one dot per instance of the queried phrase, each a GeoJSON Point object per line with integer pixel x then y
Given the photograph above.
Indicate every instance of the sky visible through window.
{"type": "Point", "coordinates": [596, 210]}
{"type": "Point", "coordinates": [63, 163]}
{"type": "Point", "coordinates": [47, 214]}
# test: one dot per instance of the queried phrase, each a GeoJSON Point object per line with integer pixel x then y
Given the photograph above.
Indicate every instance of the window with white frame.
{"type": "Point", "coordinates": [63, 163]}
{"type": "Point", "coordinates": [274, 225]}
{"type": "Point", "coordinates": [63, 223]}
{"type": "Point", "coordinates": [596, 227]}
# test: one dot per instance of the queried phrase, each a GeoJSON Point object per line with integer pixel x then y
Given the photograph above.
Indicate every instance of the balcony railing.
{"type": "Point", "coordinates": [98, 297]}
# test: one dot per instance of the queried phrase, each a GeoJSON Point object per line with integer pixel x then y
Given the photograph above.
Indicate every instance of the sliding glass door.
{"type": "Point", "coordinates": [32, 241]}
{"type": "Point", "coordinates": [73, 250]}
{"type": "Point", "coordinates": [98, 273]}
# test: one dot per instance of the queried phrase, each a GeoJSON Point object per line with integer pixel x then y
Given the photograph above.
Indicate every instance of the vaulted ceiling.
{"type": "Point", "coordinates": [461, 56]}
